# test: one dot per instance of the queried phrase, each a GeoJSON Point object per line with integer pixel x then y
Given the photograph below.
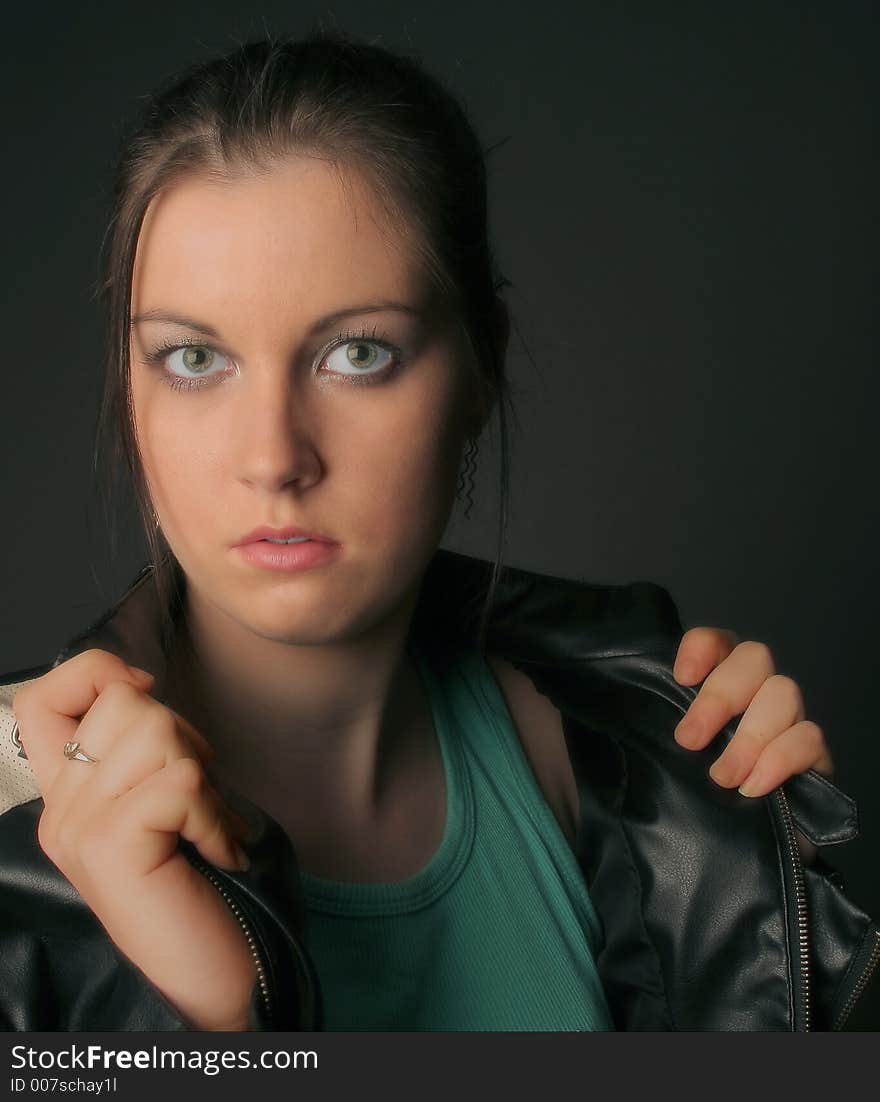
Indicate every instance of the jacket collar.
{"type": "Point", "coordinates": [551, 628]}
{"type": "Point", "coordinates": [536, 618]}
{"type": "Point", "coordinates": [687, 878]}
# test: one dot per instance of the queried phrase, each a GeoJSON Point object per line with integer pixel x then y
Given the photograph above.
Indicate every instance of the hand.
{"type": "Point", "coordinates": [112, 829]}
{"type": "Point", "coordinates": [772, 740]}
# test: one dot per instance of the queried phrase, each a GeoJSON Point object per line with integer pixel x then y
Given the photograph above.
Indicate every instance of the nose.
{"type": "Point", "coordinates": [274, 433]}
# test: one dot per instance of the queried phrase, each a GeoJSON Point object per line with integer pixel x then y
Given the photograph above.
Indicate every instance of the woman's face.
{"type": "Point", "coordinates": [289, 423]}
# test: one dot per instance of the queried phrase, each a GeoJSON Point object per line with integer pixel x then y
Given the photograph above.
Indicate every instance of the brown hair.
{"type": "Point", "coordinates": [355, 104]}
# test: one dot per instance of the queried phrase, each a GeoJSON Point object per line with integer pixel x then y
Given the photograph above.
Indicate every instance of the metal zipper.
{"type": "Point", "coordinates": [801, 903]}
{"type": "Point", "coordinates": [867, 972]}
{"type": "Point", "coordinates": [208, 871]}
{"type": "Point", "coordinates": [262, 978]}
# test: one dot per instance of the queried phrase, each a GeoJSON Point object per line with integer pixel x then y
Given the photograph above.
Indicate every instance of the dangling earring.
{"type": "Point", "coordinates": [466, 475]}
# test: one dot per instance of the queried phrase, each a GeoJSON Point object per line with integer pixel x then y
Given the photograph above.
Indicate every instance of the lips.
{"type": "Point", "coordinates": [289, 558]}
{"type": "Point", "coordinates": [264, 532]}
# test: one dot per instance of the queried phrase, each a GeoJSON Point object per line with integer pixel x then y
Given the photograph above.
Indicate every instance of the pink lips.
{"type": "Point", "coordinates": [265, 532]}
{"type": "Point", "coordinates": [288, 557]}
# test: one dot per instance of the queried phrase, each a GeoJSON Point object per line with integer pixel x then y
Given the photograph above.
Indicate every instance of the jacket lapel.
{"type": "Point", "coordinates": [685, 876]}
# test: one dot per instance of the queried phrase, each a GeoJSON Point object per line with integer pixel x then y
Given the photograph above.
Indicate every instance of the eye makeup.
{"type": "Point", "coordinates": [158, 356]}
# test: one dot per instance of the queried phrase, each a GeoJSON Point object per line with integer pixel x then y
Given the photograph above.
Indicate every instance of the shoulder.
{"type": "Point", "coordinates": [539, 726]}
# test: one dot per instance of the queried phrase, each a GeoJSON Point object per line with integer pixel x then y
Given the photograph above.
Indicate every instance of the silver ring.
{"type": "Point", "coordinates": [73, 752]}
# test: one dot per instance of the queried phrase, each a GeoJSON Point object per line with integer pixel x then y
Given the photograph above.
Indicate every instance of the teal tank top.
{"type": "Point", "coordinates": [496, 931]}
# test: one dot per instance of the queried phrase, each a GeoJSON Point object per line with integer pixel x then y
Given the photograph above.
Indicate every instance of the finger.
{"type": "Point", "coordinates": [777, 705]}
{"type": "Point", "coordinates": [799, 748]}
{"type": "Point", "coordinates": [122, 702]}
{"type": "Point", "coordinates": [178, 800]}
{"type": "Point", "coordinates": [725, 693]}
{"type": "Point", "coordinates": [701, 650]}
{"type": "Point", "coordinates": [49, 709]}
{"type": "Point", "coordinates": [131, 735]}
{"type": "Point", "coordinates": [205, 817]}
{"type": "Point", "coordinates": [134, 736]}
{"type": "Point", "coordinates": [134, 764]}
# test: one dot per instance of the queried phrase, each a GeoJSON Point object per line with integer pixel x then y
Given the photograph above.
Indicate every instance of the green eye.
{"type": "Point", "coordinates": [194, 358]}
{"type": "Point", "coordinates": [353, 356]}
{"type": "Point", "coordinates": [358, 356]}
{"type": "Point", "coordinates": [197, 357]}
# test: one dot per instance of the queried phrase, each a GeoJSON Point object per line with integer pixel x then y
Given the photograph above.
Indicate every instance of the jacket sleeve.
{"type": "Point", "coordinates": [60, 970]}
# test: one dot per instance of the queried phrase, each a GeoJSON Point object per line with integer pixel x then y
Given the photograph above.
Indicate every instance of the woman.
{"type": "Point", "coordinates": [305, 336]}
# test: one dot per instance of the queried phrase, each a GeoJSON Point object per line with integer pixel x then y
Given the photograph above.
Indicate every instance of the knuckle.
{"type": "Point", "coordinates": [782, 682]}
{"type": "Point", "coordinates": [747, 735]}
{"type": "Point", "coordinates": [90, 662]}
{"type": "Point", "coordinates": [158, 726]}
{"type": "Point", "coordinates": [98, 656]}
{"type": "Point", "coordinates": [118, 692]}
{"type": "Point", "coordinates": [814, 733]}
{"type": "Point", "coordinates": [757, 652]}
{"type": "Point", "coordinates": [712, 698]}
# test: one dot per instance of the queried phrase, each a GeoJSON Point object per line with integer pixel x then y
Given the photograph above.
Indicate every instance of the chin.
{"type": "Point", "coordinates": [307, 615]}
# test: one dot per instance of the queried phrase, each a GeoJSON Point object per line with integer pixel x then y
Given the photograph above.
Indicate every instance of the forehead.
{"type": "Point", "coordinates": [289, 236]}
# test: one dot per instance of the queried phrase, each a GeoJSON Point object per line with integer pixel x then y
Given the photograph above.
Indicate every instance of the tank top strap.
{"type": "Point", "coordinates": [497, 931]}
{"type": "Point", "coordinates": [493, 746]}
{"type": "Point", "coordinates": [488, 728]}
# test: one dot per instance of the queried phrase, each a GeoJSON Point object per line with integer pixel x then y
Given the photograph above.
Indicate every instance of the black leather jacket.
{"type": "Point", "coordinates": [711, 920]}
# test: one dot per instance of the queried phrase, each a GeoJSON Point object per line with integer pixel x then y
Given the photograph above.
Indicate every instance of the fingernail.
{"type": "Point", "coordinates": [687, 733]}
{"type": "Point", "coordinates": [685, 672]}
{"type": "Point", "coordinates": [731, 767]}
{"type": "Point", "coordinates": [241, 857]}
{"type": "Point", "coordinates": [752, 785]}
{"type": "Point", "coordinates": [722, 772]}
{"type": "Point", "coordinates": [716, 772]}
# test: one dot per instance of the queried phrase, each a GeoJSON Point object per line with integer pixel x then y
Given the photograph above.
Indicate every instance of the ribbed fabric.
{"type": "Point", "coordinates": [497, 931]}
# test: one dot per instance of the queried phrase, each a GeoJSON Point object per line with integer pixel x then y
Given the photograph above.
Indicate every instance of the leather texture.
{"type": "Point", "coordinates": [710, 919]}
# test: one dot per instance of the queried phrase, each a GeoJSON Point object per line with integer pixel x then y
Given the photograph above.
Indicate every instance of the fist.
{"type": "Point", "coordinates": [112, 828]}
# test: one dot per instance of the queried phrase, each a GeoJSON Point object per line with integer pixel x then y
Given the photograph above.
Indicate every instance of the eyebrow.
{"type": "Point", "coordinates": [322, 323]}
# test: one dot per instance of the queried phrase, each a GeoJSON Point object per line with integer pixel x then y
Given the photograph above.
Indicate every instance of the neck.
{"type": "Point", "coordinates": [318, 723]}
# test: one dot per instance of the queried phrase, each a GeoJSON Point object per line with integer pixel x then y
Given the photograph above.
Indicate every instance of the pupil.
{"type": "Point", "coordinates": [189, 353]}
{"type": "Point", "coordinates": [364, 347]}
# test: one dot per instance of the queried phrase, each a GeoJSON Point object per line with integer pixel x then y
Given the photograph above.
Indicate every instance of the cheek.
{"type": "Point", "coordinates": [177, 461]}
{"type": "Point", "coordinates": [401, 467]}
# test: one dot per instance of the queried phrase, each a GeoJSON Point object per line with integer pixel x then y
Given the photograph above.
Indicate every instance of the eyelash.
{"type": "Point", "coordinates": [157, 357]}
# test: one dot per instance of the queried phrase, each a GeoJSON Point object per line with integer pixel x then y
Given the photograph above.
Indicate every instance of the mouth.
{"type": "Point", "coordinates": [282, 537]}
{"type": "Point", "coordinates": [290, 554]}
{"type": "Point", "coordinates": [283, 543]}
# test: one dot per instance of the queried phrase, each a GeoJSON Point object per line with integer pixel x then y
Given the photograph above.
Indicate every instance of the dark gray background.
{"type": "Point", "coordinates": [682, 204]}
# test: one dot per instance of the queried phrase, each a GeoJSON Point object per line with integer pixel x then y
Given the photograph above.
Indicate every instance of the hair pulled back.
{"type": "Point", "coordinates": [363, 109]}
